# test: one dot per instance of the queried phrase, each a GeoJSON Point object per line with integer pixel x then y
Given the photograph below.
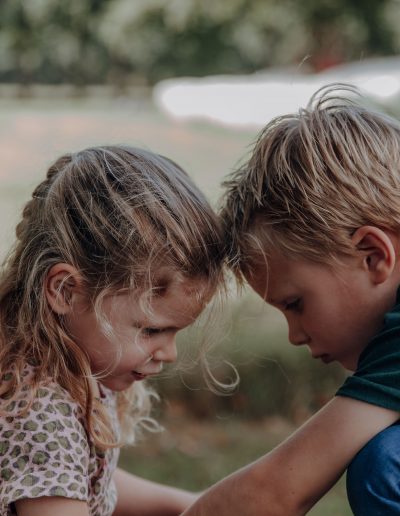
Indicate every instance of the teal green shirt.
{"type": "Point", "coordinates": [377, 378]}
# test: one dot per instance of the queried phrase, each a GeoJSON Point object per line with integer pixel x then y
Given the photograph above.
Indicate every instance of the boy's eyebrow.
{"type": "Point", "coordinates": [281, 302]}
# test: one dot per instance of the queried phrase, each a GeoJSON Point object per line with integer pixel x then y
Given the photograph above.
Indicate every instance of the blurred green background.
{"type": "Point", "coordinates": [113, 41]}
{"type": "Point", "coordinates": [80, 73]}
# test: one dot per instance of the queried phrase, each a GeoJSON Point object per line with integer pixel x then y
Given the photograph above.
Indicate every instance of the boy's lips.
{"type": "Point", "coordinates": [324, 357]}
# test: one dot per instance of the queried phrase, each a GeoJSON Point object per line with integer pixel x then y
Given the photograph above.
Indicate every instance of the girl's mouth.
{"type": "Point", "coordinates": [138, 376]}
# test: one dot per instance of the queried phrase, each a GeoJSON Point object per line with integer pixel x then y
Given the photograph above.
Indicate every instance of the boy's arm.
{"type": "Point", "coordinates": [137, 496]}
{"type": "Point", "coordinates": [296, 474]}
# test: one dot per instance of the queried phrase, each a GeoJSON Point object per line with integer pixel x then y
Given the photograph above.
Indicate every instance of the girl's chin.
{"type": "Point", "coordinates": [119, 383]}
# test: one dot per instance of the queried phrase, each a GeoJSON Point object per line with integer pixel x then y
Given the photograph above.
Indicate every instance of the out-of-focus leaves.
{"type": "Point", "coordinates": [110, 41]}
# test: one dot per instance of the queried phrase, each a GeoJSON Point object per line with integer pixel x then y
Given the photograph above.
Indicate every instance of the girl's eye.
{"type": "Point", "coordinates": [150, 332]}
{"type": "Point", "coordinates": [294, 305]}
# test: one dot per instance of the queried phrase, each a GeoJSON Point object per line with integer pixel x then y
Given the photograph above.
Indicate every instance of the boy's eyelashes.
{"type": "Point", "coordinates": [293, 305]}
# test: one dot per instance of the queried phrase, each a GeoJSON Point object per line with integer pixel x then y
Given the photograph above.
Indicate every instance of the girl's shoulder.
{"type": "Point", "coordinates": [48, 399]}
{"type": "Point", "coordinates": [44, 445]}
{"type": "Point", "coordinates": [41, 420]}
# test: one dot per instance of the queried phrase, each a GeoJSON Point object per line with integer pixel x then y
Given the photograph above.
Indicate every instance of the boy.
{"type": "Point", "coordinates": [313, 224]}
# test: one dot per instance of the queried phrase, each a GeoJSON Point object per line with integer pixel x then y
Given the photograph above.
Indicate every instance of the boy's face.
{"type": "Point", "coordinates": [334, 312]}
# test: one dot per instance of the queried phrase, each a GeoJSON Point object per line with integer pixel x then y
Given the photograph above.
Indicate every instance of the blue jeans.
{"type": "Point", "coordinates": [373, 477]}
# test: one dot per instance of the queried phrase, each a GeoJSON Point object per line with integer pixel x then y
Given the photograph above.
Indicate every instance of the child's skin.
{"type": "Point", "coordinates": [335, 312]}
{"type": "Point", "coordinates": [146, 343]}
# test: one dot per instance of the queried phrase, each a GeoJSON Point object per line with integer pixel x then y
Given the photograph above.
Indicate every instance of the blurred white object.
{"type": "Point", "coordinates": [253, 100]}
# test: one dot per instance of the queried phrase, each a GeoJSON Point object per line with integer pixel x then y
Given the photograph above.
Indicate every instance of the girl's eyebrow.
{"type": "Point", "coordinates": [155, 326]}
{"type": "Point", "coordinates": [138, 323]}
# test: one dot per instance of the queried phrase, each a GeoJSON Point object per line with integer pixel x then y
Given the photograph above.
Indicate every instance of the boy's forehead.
{"type": "Point", "coordinates": [269, 275]}
{"type": "Point", "coordinates": [277, 276]}
{"type": "Point", "coordinates": [270, 265]}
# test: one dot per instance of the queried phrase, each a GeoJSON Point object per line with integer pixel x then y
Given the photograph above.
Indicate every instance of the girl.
{"type": "Point", "coordinates": [116, 252]}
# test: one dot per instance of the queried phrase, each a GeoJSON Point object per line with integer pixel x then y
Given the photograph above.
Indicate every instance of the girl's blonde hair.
{"type": "Point", "coordinates": [313, 178]}
{"type": "Point", "coordinates": [117, 214]}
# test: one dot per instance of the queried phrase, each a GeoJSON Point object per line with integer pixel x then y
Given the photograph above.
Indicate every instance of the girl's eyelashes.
{"type": "Point", "coordinates": [150, 332]}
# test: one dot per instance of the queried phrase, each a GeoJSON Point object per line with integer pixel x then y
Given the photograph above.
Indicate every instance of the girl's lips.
{"type": "Point", "coordinates": [142, 376]}
{"type": "Point", "coordinates": [138, 376]}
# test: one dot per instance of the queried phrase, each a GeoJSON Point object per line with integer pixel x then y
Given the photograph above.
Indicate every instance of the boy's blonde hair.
{"type": "Point", "coordinates": [117, 214]}
{"type": "Point", "coordinates": [313, 178]}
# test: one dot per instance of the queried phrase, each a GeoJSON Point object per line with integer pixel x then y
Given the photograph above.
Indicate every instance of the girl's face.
{"type": "Point", "coordinates": [142, 339]}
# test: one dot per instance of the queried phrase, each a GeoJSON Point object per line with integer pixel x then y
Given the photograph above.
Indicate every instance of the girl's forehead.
{"type": "Point", "coordinates": [170, 281]}
{"type": "Point", "coordinates": [163, 286]}
{"type": "Point", "coordinates": [196, 289]}
{"type": "Point", "coordinates": [179, 304]}
{"type": "Point", "coordinates": [192, 292]}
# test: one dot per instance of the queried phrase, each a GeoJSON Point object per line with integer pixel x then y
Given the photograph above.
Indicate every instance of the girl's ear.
{"type": "Point", "coordinates": [377, 252]}
{"type": "Point", "coordinates": [63, 282]}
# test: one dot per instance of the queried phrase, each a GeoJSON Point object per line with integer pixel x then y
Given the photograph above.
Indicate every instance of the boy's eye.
{"type": "Point", "coordinates": [150, 332]}
{"type": "Point", "coordinates": [293, 305]}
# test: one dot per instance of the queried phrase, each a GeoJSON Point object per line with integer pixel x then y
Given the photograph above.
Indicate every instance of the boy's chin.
{"type": "Point", "coordinates": [350, 365]}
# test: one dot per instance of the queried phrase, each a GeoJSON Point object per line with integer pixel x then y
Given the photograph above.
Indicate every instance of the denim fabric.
{"type": "Point", "coordinates": [373, 477]}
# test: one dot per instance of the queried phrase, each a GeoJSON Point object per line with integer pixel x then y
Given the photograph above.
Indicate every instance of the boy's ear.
{"type": "Point", "coordinates": [62, 283]}
{"type": "Point", "coordinates": [377, 252]}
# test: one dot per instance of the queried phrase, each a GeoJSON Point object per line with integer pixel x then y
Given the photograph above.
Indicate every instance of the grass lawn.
{"type": "Point", "coordinates": [190, 453]}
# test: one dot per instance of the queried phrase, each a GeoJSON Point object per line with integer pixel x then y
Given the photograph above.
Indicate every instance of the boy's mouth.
{"type": "Point", "coordinates": [324, 357]}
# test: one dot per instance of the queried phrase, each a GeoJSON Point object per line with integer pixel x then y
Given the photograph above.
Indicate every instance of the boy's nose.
{"type": "Point", "coordinates": [297, 336]}
{"type": "Point", "coordinates": [167, 352]}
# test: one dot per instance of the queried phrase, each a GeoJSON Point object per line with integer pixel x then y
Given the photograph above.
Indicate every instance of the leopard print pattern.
{"type": "Point", "coordinates": [47, 452]}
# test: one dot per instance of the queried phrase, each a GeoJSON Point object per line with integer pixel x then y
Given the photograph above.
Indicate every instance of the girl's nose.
{"type": "Point", "coordinates": [167, 352]}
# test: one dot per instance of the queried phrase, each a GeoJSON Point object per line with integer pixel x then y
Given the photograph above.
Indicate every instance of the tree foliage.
{"type": "Point", "coordinates": [111, 41]}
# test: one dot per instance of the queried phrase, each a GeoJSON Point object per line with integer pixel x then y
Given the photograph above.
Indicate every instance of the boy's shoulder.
{"type": "Point", "coordinates": [377, 378]}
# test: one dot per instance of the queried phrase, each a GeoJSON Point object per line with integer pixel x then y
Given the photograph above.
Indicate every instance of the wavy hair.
{"type": "Point", "coordinates": [116, 214]}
